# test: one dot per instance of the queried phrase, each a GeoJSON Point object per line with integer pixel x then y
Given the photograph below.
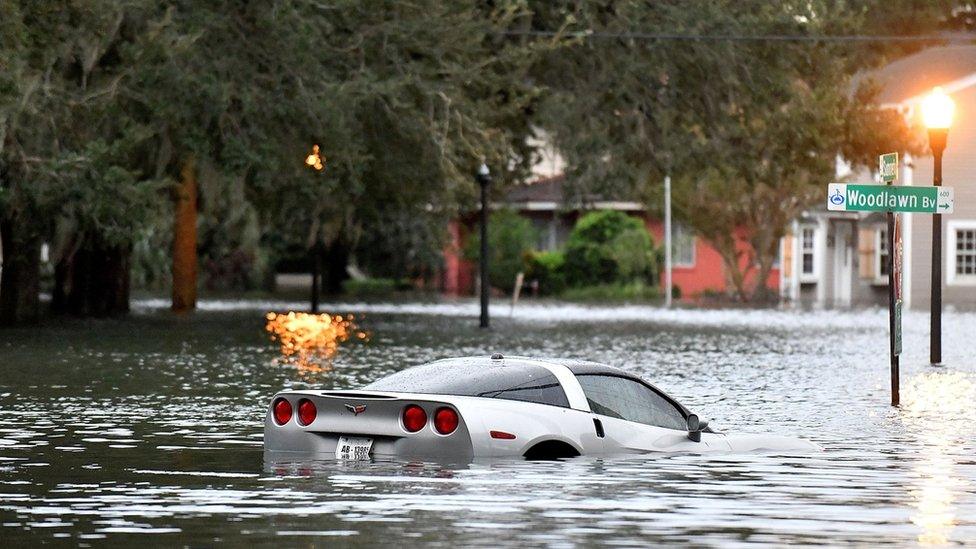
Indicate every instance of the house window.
{"type": "Point", "coordinates": [962, 252]}
{"type": "Point", "coordinates": [807, 247]}
{"type": "Point", "coordinates": [881, 259]}
{"type": "Point", "coordinates": [683, 246]}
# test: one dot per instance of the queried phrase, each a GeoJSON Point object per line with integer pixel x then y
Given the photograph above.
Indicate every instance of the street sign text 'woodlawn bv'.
{"type": "Point", "coordinates": [842, 197]}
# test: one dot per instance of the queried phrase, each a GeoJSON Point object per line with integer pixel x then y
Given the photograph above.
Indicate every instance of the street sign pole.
{"type": "Point", "coordinates": [892, 200]}
{"type": "Point", "coordinates": [889, 171]}
{"type": "Point", "coordinates": [895, 375]}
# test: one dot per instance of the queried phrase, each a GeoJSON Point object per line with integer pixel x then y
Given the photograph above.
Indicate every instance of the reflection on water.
{"type": "Point", "coordinates": [151, 432]}
{"type": "Point", "coordinates": [939, 405]}
{"type": "Point", "coordinates": [309, 341]}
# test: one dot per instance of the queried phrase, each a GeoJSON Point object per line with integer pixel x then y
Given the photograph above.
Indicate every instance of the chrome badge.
{"type": "Point", "coordinates": [356, 409]}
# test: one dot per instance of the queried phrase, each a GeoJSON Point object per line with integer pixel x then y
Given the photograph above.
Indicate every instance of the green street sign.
{"type": "Point", "coordinates": [888, 167]}
{"type": "Point", "coordinates": [842, 197]}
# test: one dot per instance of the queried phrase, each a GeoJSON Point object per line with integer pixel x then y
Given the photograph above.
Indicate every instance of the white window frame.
{"type": "Point", "coordinates": [880, 239]}
{"type": "Point", "coordinates": [694, 247]}
{"type": "Point", "coordinates": [951, 277]}
{"type": "Point", "coordinates": [814, 251]}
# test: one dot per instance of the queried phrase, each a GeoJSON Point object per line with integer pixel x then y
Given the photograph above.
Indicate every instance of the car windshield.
{"type": "Point", "coordinates": [523, 382]}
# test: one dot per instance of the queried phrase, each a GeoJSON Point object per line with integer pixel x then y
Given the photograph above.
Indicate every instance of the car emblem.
{"type": "Point", "coordinates": [356, 409]}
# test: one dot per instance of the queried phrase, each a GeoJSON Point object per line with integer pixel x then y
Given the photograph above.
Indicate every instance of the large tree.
{"type": "Point", "coordinates": [109, 109]}
{"type": "Point", "coordinates": [749, 129]}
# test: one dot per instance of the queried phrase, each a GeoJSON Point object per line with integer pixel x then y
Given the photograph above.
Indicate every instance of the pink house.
{"type": "Point", "coordinates": [697, 266]}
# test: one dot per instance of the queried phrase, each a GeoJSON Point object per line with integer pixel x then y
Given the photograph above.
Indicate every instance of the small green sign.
{"type": "Point", "coordinates": [897, 350]}
{"type": "Point", "coordinates": [888, 167]}
{"type": "Point", "coordinates": [842, 197]}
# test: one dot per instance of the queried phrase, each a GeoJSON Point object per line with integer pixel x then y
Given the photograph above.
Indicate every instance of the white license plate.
{"type": "Point", "coordinates": [353, 448]}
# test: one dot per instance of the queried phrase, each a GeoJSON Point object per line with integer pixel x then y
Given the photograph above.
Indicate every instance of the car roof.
{"type": "Point", "coordinates": [576, 366]}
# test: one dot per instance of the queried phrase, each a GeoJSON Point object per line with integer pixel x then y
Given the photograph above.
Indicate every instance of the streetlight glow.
{"type": "Point", "coordinates": [315, 160]}
{"type": "Point", "coordinates": [937, 110]}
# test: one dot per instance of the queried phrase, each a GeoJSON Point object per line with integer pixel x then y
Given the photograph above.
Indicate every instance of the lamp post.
{"type": "Point", "coordinates": [484, 180]}
{"type": "Point", "coordinates": [937, 111]}
{"type": "Point", "coordinates": [316, 161]}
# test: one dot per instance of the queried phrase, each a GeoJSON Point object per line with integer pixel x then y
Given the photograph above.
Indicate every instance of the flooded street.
{"type": "Point", "coordinates": [149, 430]}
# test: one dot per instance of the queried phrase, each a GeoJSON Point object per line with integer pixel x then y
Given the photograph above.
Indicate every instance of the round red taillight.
{"type": "Point", "coordinates": [414, 418]}
{"type": "Point", "coordinates": [445, 420]}
{"type": "Point", "coordinates": [282, 411]}
{"type": "Point", "coordinates": [306, 412]}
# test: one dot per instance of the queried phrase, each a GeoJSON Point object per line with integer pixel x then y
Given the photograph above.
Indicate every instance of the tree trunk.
{"type": "Point", "coordinates": [93, 281]}
{"type": "Point", "coordinates": [20, 279]}
{"type": "Point", "coordinates": [185, 240]}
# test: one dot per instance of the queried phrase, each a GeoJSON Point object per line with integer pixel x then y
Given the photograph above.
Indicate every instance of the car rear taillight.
{"type": "Point", "coordinates": [282, 411]}
{"type": "Point", "coordinates": [414, 418]}
{"type": "Point", "coordinates": [445, 421]}
{"type": "Point", "coordinates": [306, 412]}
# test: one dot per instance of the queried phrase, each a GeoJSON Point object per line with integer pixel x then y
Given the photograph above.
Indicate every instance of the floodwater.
{"type": "Point", "coordinates": [148, 430]}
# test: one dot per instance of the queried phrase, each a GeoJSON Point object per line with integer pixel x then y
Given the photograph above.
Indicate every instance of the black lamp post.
{"type": "Point", "coordinates": [484, 180]}
{"type": "Point", "coordinates": [316, 161]}
{"type": "Point", "coordinates": [937, 110]}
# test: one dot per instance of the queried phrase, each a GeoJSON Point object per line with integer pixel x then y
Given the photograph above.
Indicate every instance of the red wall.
{"type": "Point", "coordinates": [458, 272]}
{"type": "Point", "coordinates": [708, 273]}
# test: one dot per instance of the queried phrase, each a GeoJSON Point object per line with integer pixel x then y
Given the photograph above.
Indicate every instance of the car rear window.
{"type": "Point", "coordinates": [522, 382]}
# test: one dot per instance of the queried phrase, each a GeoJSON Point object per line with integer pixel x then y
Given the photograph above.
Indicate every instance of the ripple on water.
{"type": "Point", "coordinates": [154, 429]}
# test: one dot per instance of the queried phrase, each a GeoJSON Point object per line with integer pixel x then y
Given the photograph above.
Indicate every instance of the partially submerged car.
{"type": "Point", "coordinates": [495, 406]}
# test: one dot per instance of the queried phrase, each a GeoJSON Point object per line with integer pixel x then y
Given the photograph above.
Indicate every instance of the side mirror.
{"type": "Point", "coordinates": [694, 428]}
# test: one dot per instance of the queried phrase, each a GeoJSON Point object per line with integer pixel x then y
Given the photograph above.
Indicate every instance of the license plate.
{"type": "Point", "coordinates": [353, 448]}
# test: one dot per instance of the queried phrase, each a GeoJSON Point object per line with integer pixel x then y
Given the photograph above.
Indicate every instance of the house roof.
{"type": "Point", "coordinates": [913, 76]}
{"type": "Point", "coordinates": [549, 194]}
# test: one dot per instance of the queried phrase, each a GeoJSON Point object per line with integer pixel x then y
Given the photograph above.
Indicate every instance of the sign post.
{"type": "Point", "coordinates": [892, 200]}
{"type": "Point", "coordinates": [889, 172]}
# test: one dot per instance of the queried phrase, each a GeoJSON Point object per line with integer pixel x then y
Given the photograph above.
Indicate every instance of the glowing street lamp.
{"type": "Point", "coordinates": [937, 111]}
{"type": "Point", "coordinates": [314, 160]}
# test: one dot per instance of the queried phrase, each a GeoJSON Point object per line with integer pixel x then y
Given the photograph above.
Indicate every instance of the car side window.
{"type": "Point", "coordinates": [627, 399]}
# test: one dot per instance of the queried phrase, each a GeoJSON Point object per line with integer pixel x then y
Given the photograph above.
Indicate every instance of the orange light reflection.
{"type": "Point", "coordinates": [310, 341]}
{"type": "Point", "coordinates": [939, 406]}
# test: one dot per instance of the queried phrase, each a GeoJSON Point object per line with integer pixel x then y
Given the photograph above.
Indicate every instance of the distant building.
{"type": "Point", "coordinates": [838, 259]}
{"type": "Point", "coordinates": [697, 266]}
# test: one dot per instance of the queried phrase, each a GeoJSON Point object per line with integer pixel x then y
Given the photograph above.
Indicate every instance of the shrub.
{"type": "Point", "coordinates": [370, 286]}
{"type": "Point", "coordinates": [511, 239]}
{"type": "Point", "coordinates": [631, 291]}
{"type": "Point", "coordinates": [547, 269]}
{"type": "Point", "coordinates": [608, 247]}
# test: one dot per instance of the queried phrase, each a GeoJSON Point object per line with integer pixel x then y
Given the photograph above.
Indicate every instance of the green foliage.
{"type": "Point", "coordinates": [621, 291]}
{"type": "Point", "coordinates": [372, 287]}
{"type": "Point", "coordinates": [606, 247]}
{"type": "Point", "coordinates": [547, 269]}
{"type": "Point", "coordinates": [511, 239]}
{"type": "Point", "coordinates": [748, 130]}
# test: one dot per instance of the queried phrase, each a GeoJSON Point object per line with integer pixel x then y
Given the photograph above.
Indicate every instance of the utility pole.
{"type": "Point", "coordinates": [667, 242]}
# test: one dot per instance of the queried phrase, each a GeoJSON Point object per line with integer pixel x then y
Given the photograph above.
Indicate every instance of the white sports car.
{"type": "Point", "coordinates": [460, 408]}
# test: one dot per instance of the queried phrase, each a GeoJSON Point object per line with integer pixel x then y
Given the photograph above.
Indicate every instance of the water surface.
{"type": "Point", "coordinates": [148, 430]}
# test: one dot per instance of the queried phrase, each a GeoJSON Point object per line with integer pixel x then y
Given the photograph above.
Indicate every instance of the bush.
{"type": "Point", "coordinates": [609, 247]}
{"type": "Point", "coordinates": [370, 286]}
{"type": "Point", "coordinates": [547, 269]}
{"type": "Point", "coordinates": [511, 239]}
{"type": "Point", "coordinates": [632, 291]}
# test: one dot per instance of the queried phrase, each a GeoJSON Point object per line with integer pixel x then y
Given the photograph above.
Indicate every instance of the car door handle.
{"type": "Point", "coordinates": [599, 427]}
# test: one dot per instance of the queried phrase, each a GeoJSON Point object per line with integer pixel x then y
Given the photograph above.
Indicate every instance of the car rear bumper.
{"type": "Point", "coordinates": [379, 420]}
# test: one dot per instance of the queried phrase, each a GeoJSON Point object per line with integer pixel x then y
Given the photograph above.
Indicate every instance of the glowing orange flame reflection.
{"type": "Point", "coordinates": [310, 341]}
